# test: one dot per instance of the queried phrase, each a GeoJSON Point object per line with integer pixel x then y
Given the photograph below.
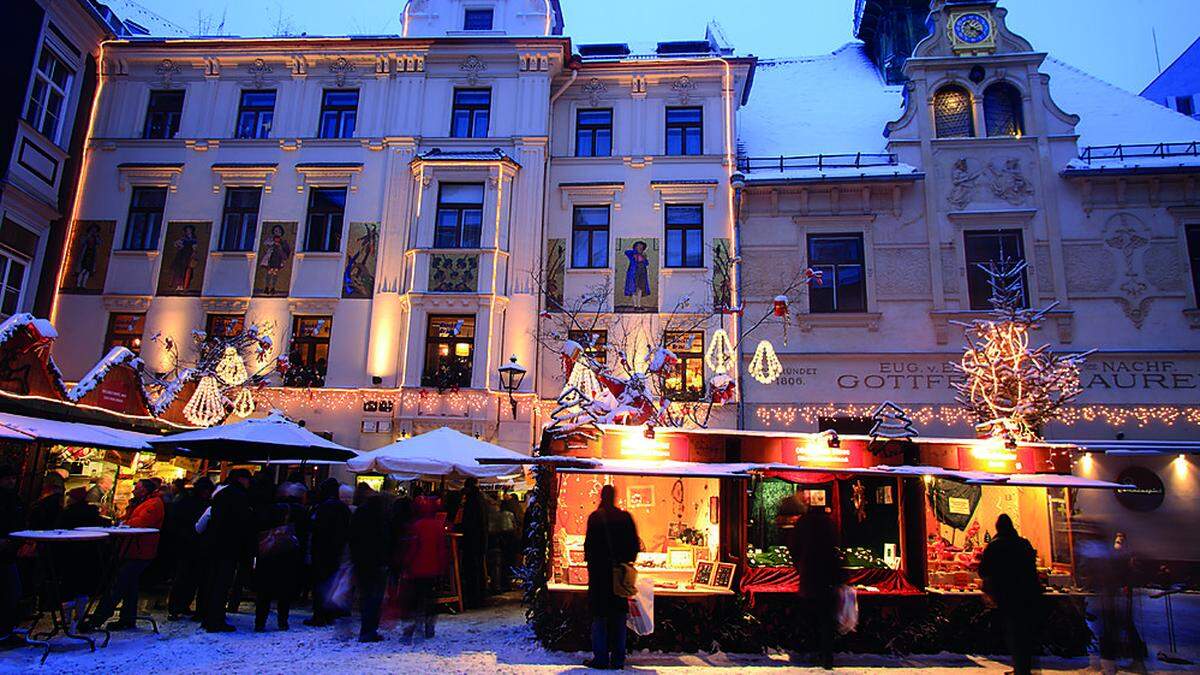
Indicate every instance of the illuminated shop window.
{"type": "Point", "coordinates": [449, 350]}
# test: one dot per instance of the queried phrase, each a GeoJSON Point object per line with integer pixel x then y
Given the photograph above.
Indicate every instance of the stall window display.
{"type": "Point", "coordinates": [677, 523]}
{"type": "Point", "coordinates": [85, 467]}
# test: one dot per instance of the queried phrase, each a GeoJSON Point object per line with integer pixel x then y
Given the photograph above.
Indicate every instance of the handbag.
{"type": "Point", "coordinates": [624, 575]}
{"type": "Point", "coordinates": [279, 540]}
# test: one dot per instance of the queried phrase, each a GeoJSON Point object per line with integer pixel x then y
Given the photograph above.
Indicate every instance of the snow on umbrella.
{"type": "Point", "coordinates": [274, 436]}
{"type": "Point", "coordinates": [442, 452]}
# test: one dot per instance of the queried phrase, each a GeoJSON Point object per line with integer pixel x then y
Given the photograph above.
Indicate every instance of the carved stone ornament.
{"type": "Point", "coordinates": [684, 87]}
{"type": "Point", "coordinates": [595, 88]}
{"type": "Point", "coordinates": [1127, 235]}
{"type": "Point", "coordinates": [167, 70]}
{"type": "Point", "coordinates": [258, 71]}
{"type": "Point", "coordinates": [341, 68]}
{"type": "Point", "coordinates": [1008, 183]}
{"type": "Point", "coordinates": [637, 86]}
{"type": "Point", "coordinates": [964, 175]}
{"type": "Point", "coordinates": [472, 66]}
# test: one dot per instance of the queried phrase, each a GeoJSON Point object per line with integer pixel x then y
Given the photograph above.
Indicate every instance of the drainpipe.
{"type": "Point", "coordinates": [738, 182]}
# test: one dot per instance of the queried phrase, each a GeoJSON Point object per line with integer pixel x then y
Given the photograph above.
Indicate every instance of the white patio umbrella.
{"type": "Point", "coordinates": [271, 437]}
{"type": "Point", "coordinates": [442, 452]}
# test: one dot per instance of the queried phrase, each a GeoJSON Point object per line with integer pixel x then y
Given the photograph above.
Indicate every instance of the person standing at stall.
{"type": "Point", "coordinates": [191, 562]}
{"type": "Point", "coordinates": [229, 536]}
{"type": "Point", "coordinates": [281, 529]}
{"type": "Point", "coordinates": [425, 562]}
{"type": "Point", "coordinates": [77, 562]}
{"type": "Point", "coordinates": [813, 547]}
{"type": "Point", "coordinates": [370, 544]}
{"type": "Point", "coordinates": [611, 540]}
{"type": "Point", "coordinates": [472, 523]}
{"type": "Point", "coordinates": [144, 510]}
{"type": "Point", "coordinates": [1008, 568]}
{"type": "Point", "coordinates": [12, 519]}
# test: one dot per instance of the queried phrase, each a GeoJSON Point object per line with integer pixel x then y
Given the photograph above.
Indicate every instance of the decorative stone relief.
{"type": "Point", "coordinates": [166, 71]}
{"type": "Point", "coordinates": [684, 87]}
{"type": "Point", "coordinates": [1008, 183]}
{"type": "Point", "coordinates": [258, 71]}
{"type": "Point", "coordinates": [1162, 264]}
{"type": "Point", "coordinates": [341, 69]}
{"type": "Point", "coordinates": [637, 86]}
{"type": "Point", "coordinates": [963, 177]}
{"type": "Point", "coordinates": [901, 273]}
{"type": "Point", "coordinates": [1126, 234]}
{"type": "Point", "coordinates": [595, 88]}
{"type": "Point", "coordinates": [1090, 268]}
{"type": "Point", "coordinates": [472, 66]}
{"type": "Point", "coordinates": [1003, 179]}
{"type": "Point", "coordinates": [1043, 269]}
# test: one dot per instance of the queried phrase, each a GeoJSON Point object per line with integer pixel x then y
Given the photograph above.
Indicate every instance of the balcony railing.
{"type": "Point", "coordinates": [1120, 153]}
{"type": "Point", "coordinates": [820, 162]}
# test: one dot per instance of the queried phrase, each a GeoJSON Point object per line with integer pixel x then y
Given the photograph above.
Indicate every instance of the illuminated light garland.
{"type": "Point", "coordinates": [583, 379]}
{"type": "Point", "coordinates": [461, 403]}
{"type": "Point", "coordinates": [206, 407]}
{"type": "Point", "coordinates": [243, 405]}
{"type": "Point", "coordinates": [765, 366]}
{"type": "Point", "coordinates": [788, 416]}
{"type": "Point", "coordinates": [231, 368]}
{"type": "Point", "coordinates": [719, 356]}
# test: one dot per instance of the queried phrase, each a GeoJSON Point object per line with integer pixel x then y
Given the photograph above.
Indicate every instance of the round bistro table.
{"type": "Point", "coordinates": [120, 538]}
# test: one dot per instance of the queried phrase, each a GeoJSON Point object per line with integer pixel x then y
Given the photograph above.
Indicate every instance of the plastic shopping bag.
{"type": "Point", "coordinates": [341, 589]}
{"type": "Point", "coordinates": [847, 613]}
{"type": "Point", "coordinates": [641, 608]}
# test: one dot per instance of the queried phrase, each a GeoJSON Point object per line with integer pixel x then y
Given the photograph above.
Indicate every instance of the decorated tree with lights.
{"type": "Point", "coordinates": [225, 367]}
{"type": "Point", "coordinates": [1011, 389]}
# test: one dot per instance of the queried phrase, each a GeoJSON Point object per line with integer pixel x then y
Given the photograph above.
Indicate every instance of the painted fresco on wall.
{"type": "Point", "coordinates": [722, 274]}
{"type": "Point", "coordinates": [87, 262]}
{"type": "Point", "coordinates": [358, 276]}
{"type": "Point", "coordinates": [185, 253]}
{"type": "Point", "coordinates": [273, 269]}
{"type": "Point", "coordinates": [636, 287]}
{"type": "Point", "coordinates": [454, 272]}
{"type": "Point", "coordinates": [555, 274]}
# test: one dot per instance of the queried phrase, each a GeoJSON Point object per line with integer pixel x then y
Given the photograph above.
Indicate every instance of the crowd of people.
{"type": "Point", "coordinates": [336, 545]}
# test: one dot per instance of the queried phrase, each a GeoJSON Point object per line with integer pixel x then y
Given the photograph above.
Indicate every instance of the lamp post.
{"type": "Point", "coordinates": [511, 375]}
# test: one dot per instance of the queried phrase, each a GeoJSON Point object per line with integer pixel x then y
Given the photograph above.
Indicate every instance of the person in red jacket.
{"type": "Point", "coordinates": [144, 510]}
{"type": "Point", "coordinates": [426, 561]}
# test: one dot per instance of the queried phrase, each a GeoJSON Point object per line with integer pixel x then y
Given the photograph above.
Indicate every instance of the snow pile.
{"type": "Point", "coordinates": [117, 356]}
{"type": "Point", "coordinates": [17, 321]}
{"type": "Point", "coordinates": [167, 396]}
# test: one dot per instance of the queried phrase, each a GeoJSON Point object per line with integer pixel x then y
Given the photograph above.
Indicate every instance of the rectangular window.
{"type": "Point", "coordinates": [224, 325]}
{"type": "Point", "coordinates": [145, 218]}
{"type": "Point", "coordinates": [685, 381]}
{"type": "Point", "coordinates": [839, 259]}
{"type": "Point", "coordinates": [593, 133]}
{"type": "Point", "coordinates": [12, 282]}
{"type": "Point", "coordinates": [239, 220]}
{"type": "Point", "coordinates": [256, 111]}
{"type": "Point", "coordinates": [991, 246]}
{"type": "Point", "coordinates": [1186, 105]}
{"type": "Point", "coordinates": [685, 235]}
{"type": "Point", "coordinates": [1193, 246]}
{"type": "Point", "coordinates": [685, 128]}
{"type": "Point", "coordinates": [477, 19]}
{"type": "Point", "coordinates": [163, 113]}
{"type": "Point", "coordinates": [594, 343]}
{"type": "Point", "coordinates": [308, 357]}
{"type": "Point", "coordinates": [48, 95]}
{"type": "Point", "coordinates": [125, 330]}
{"type": "Point", "coordinates": [469, 116]}
{"type": "Point", "coordinates": [339, 113]}
{"type": "Point", "coordinates": [323, 224]}
{"type": "Point", "coordinates": [449, 349]}
{"type": "Point", "coordinates": [589, 237]}
{"type": "Point", "coordinates": [459, 215]}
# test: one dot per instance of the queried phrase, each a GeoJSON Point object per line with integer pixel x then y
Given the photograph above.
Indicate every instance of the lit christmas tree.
{"type": "Point", "coordinates": [891, 423]}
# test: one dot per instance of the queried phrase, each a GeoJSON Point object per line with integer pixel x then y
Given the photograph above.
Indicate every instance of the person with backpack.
{"type": "Point", "coordinates": [282, 526]}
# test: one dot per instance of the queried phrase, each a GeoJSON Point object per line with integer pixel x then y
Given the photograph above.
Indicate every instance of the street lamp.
{"type": "Point", "coordinates": [511, 375]}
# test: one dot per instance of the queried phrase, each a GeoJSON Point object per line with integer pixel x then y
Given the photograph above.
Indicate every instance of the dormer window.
{"type": "Point", "coordinates": [1002, 110]}
{"type": "Point", "coordinates": [477, 19]}
{"type": "Point", "coordinates": [952, 113]}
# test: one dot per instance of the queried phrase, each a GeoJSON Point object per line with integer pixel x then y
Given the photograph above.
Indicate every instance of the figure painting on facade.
{"type": "Point", "coordinates": [554, 274]}
{"type": "Point", "coordinates": [274, 273]}
{"type": "Point", "coordinates": [641, 264]}
{"type": "Point", "coordinates": [89, 257]}
{"type": "Point", "coordinates": [358, 276]}
{"type": "Point", "coordinates": [183, 271]}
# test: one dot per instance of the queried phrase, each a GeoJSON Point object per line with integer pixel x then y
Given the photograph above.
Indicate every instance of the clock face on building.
{"type": "Point", "coordinates": [972, 28]}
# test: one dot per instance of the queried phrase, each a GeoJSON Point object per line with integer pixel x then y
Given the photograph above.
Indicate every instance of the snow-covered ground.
{"type": "Point", "coordinates": [493, 640]}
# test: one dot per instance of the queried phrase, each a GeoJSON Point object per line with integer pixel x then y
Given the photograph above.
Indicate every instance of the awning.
{"type": "Point", "coordinates": [75, 433]}
{"type": "Point", "coordinates": [1050, 480]}
{"type": "Point", "coordinates": [1140, 447]}
{"type": "Point", "coordinates": [265, 438]}
{"type": "Point", "coordinates": [666, 467]}
{"type": "Point", "coordinates": [438, 453]}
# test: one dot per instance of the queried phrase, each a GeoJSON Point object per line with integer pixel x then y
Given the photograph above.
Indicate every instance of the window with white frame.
{"type": "Point", "coordinates": [13, 270]}
{"type": "Point", "coordinates": [47, 102]}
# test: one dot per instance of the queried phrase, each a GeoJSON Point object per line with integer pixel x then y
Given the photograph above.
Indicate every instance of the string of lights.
{"type": "Point", "coordinates": [786, 416]}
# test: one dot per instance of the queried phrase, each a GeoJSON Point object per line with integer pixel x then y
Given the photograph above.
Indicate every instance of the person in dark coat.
{"type": "Point", "coordinates": [329, 535]}
{"type": "Point", "coordinates": [370, 549]}
{"type": "Point", "coordinates": [1008, 568]}
{"type": "Point", "coordinates": [77, 562]}
{"type": "Point", "coordinates": [813, 547]}
{"type": "Point", "coordinates": [192, 558]}
{"type": "Point", "coordinates": [229, 536]}
{"type": "Point", "coordinates": [282, 527]}
{"type": "Point", "coordinates": [473, 547]}
{"type": "Point", "coordinates": [12, 519]}
{"type": "Point", "coordinates": [611, 540]}
{"type": "Point", "coordinates": [44, 512]}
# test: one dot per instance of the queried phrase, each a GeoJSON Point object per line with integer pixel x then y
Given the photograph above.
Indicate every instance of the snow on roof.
{"type": "Point", "coordinates": [115, 357]}
{"type": "Point", "coordinates": [75, 433]}
{"type": "Point", "coordinates": [1109, 115]}
{"type": "Point", "coordinates": [16, 321]}
{"type": "Point", "coordinates": [828, 104]}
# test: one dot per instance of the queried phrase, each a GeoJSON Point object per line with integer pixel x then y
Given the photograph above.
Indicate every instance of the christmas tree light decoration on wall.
{"type": "Point", "coordinates": [765, 366]}
{"type": "Point", "coordinates": [206, 407]}
{"type": "Point", "coordinates": [231, 369]}
{"type": "Point", "coordinates": [891, 423]}
{"type": "Point", "coordinates": [719, 356]}
{"type": "Point", "coordinates": [1011, 390]}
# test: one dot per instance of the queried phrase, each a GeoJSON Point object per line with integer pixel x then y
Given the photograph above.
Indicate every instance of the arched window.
{"type": "Point", "coordinates": [1002, 110]}
{"type": "Point", "coordinates": [952, 112]}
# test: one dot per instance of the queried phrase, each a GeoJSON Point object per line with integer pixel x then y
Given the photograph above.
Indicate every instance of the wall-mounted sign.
{"type": "Point", "coordinates": [1147, 492]}
{"type": "Point", "coordinates": [383, 406]}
